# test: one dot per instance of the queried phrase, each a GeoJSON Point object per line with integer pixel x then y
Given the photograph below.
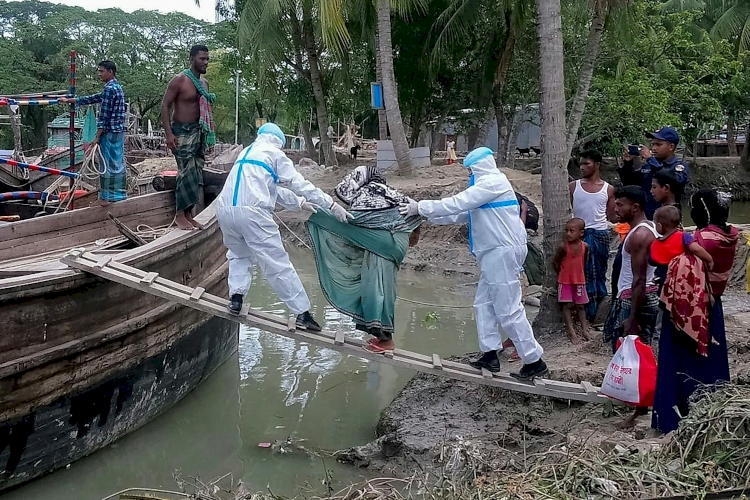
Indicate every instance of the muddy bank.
{"type": "Point", "coordinates": [442, 426]}
{"type": "Point", "coordinates": [434, 421]}
{"type": "Point", "coordinates": [446, 427]}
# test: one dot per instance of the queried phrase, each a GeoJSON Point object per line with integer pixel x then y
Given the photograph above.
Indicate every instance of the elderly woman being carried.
{"type": "Point", "coordinates": [358, 262]}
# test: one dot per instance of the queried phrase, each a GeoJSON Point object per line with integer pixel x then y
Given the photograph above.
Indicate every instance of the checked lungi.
{"type": "Point", "coordinates": [113, 174]}
{"type": "Point", "coordinates": [595, 268]}
{"type": "Point", "coordinates": [190, 162]}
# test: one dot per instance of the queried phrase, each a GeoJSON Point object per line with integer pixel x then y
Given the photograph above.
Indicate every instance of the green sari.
{"type": "Point", "coordinates": [358, 262]}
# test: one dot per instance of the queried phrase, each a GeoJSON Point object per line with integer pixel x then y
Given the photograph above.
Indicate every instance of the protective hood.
{"type": "Point", "coordinates": [272, 134]}
{"type": "Point", "coordinates": [481, 161]}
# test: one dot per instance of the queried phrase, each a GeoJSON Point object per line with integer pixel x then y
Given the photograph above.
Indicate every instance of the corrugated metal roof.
{"type": "Point", "coordinates": [63, 121]}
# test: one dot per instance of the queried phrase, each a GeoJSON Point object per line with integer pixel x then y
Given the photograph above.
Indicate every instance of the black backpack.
{"type": "Point", "coordinates": [532, 213]}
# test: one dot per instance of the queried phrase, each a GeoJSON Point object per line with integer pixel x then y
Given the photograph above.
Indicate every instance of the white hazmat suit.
{"type": "Point", "coordinates": [497, 239]}
{"type": "Point", "coordinates": [245, 216]}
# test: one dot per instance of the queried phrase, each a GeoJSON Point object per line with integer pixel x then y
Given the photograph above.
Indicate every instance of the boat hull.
{"type": "Point", "coordinates": [77, 425]}
{"type": "Point", "coordinates": [84, 361]}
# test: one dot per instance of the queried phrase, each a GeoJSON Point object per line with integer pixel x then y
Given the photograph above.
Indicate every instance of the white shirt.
{"type": "Point", "coordinates": [625, 281]}
{"type": "Point", "coordinates": [591, 207]}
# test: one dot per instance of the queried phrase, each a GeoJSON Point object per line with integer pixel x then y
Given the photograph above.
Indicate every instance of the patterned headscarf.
{"type": "Point", "coordinates": [710, 207]}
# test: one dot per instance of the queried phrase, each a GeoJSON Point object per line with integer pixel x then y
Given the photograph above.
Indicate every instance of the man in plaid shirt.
{"type": "Point", "coordinates": [110, 135]}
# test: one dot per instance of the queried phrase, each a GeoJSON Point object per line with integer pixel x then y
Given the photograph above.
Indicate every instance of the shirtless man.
{"type": "Point", "coordinates": [636, 307]}
{"type": "Point", "coordinates": [185, 136]}
{"type": "Point", "coordinates": [593, 201]}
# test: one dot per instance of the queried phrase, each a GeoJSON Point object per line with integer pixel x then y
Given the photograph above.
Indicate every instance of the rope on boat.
{"type": "Point", "coordinates": [90, 170]}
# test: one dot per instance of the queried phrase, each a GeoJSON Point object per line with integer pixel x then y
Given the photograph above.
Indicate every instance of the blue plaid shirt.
{"type": "Point", "coordinates": [112, 113]}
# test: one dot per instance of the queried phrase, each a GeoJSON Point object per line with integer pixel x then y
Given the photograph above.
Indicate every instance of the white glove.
{"type": "Point", "coordinates": [309, 207]}
{"type": "Point", "coordinates": [410, 209]}
{"type": "Point", "coordinates": [340, 214]}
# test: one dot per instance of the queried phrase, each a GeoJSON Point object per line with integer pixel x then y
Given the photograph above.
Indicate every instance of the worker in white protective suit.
{"type": "Point", "coordinates": [245, 216]}
{"type": "Point", "coordinates": [497, 239]}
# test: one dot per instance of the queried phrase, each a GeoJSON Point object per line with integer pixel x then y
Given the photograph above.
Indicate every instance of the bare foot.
{"type": "Point", "coordinates": [630, 422]}
{"type": "Point", "coordinates": [380, 346]}
{"type": "Point", "coordinates": [182, 222]}
{"type": "Point", "coordinates": [574, 339]}
{"type": "Point", "coordinates": [388, 345]}
{"type": "Point", "coordinates": [585, 334]}
{"type": "Point", "coordinates": [193, 222]}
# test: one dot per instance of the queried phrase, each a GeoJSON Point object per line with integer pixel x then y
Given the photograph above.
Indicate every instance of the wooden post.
{"type": "Point", "coordinates": [72, 130]}
{"type": "Point", "coordinates": [15, 124]}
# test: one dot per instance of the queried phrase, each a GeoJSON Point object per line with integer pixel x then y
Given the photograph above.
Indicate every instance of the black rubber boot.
{"type": "Point", "coordinates": [488, 361]}
{"type": "Point", "coordinates": [235, 304]}
{"type": "Point", "coordinates": [306, 321]}
{"type": "Point", "coordinates": [531, 371]}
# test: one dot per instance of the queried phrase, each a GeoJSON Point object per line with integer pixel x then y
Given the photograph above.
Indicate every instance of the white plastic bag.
{"type": "Point", "coordinates": [631, 375]}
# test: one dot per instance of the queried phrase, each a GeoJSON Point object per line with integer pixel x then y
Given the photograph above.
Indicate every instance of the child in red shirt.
{"type": "Point", "coordinates": [571, 279]}
{"type": "Point", "coordinates": [673, 242]}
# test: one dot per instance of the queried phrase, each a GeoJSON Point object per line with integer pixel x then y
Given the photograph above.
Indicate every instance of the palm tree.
{"type": "Point", "coordinates": [367, 15]}
{"type": "Point", "coordinates": [390, 90]}
{"type": "Point", "coordinates": [285, 32]}
{"type": "Point", "coordinates": [556, 200]}
{"type": "Point", "coordinates": [724, 20]}
{"type": "Point", "coordinates": [616, 17]}
{"type": "Point", "coordinates": [593, 46]}
{"type": "Point", "coordinates": [382, 116]}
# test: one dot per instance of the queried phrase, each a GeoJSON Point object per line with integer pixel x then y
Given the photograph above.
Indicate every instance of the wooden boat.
{"type": "Point", "coordinates": [36, 181]}
{"type": "Point", "coordinates": [84, 361]}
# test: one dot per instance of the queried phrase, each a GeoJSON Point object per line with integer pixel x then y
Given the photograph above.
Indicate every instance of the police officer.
{"type": "Point", "coordinates": [660, 157]}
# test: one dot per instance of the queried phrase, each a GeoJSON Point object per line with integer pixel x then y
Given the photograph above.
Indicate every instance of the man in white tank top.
{"type": "Point", "coordinates": [636, 307]}
{"type": "Point", "coordinates": [594, 201]}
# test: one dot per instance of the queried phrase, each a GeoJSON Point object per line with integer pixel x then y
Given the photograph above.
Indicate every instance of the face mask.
{"type": "Point", "coordinates": [471, 180]}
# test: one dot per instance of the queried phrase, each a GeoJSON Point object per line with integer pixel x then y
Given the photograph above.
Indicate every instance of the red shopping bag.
{"type": "Point", "coordinates": [631, 375]}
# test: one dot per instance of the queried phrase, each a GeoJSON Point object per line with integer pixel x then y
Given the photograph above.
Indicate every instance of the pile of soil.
{"type": "Point", "coordinates": [152, 166]}
{"type": "Point", "coordinates": [434, 418]}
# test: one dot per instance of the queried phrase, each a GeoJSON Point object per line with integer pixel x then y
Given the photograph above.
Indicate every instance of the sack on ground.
{"type": "Point", "coordinates": [631, 375]}
{"type": "Point", "coordinates": [534, 264]}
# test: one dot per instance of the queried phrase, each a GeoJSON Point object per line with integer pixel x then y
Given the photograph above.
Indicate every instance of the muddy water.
{"type": "Point", "coordinates": [273, 388]}
{"type": "Point", "coordinates": [739, 213]}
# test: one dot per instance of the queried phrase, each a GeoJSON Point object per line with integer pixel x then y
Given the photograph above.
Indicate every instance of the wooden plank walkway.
{"type": "Point", "coordinates": [197, 298]}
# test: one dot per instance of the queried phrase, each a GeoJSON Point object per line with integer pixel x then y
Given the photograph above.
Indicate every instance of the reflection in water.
{"type": "Point", "coordinates": [739, 212]}
{"type": "Point", "coordinates": [273, 388]}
